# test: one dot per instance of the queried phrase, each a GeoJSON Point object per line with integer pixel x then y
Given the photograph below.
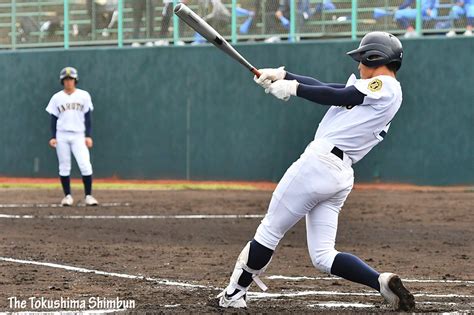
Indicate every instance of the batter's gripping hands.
{"type": "Point", "coordinates": [267, 76]}
{"type": "Point", "coordinates": [283, 89]}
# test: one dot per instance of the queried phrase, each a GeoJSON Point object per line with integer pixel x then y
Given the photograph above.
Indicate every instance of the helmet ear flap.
{"type": "Point", "coordinates": [373, 58]}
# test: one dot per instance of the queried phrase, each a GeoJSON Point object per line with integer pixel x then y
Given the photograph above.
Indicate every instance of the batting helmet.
{"type": "Point", "coordinates": [377, 49]}
{"type": "Point", "coordinates": [68, 72]}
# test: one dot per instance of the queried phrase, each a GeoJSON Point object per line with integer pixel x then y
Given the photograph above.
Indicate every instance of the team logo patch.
{"type": "Point", "coordinates": [375, 85]}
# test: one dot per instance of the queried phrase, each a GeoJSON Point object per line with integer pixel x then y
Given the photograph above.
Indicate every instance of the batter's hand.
{"type": "Point", "coordinates": [53, 142]}
{"type": "Point", "coordinates": [283, 89]}
{"type": "Point", "coordinates": [89, 142]}
{"type": "Point", "coordinates": [267, 76]}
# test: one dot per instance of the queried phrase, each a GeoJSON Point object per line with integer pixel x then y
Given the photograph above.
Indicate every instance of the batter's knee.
{"type": "Point", "coordinates": [323, 259]}
{"type": "Point", "coordinates": [267, 237]}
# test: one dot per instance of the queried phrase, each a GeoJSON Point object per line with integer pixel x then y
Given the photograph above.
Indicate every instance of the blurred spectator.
{"type": "Point", "coordinates": [303, 13]}
{"type": "Point", "coordinates": [405, 14]}
{"type": "Point", "coordinates": [167, 15]}
{"type": "Point", "coordinates": [105, 16]}
{"type": "Point", "coordinates": [27, 25]}
{"type": "Point", "coordinates": [219, 17]}
{"type": "Point", "coordinates": [463, 8]}
{"type": "Point", "coordinates": [140, 8]}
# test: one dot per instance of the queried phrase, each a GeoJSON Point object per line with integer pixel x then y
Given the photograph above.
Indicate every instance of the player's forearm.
{"type": "Point", "coordinates": [53, 124]}
{"type": "Point", "coordinates": [88, 123]}
{"type": "Point", "coordinates": [326, 95]}
{"type": "Point", "coordinates": [311, 81]}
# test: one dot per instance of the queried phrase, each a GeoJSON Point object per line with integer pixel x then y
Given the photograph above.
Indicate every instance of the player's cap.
{"type": "Point", "coordinates": [68, 72]}
{"type": "Point", "coordinates": [377, 49]}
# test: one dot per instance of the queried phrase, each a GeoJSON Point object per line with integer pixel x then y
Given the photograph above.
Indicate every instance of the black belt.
{"type": "Point", "coordinates": [338, 152]}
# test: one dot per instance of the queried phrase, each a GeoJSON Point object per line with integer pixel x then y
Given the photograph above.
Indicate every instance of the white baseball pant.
{"type": "Point", "coordinates": [74, 142]}
{"type": "Point", "coordinates": [315, 186]}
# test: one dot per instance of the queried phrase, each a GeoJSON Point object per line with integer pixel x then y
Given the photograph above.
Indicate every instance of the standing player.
{"type": "Point", "coordinates": [70, 111]}
{"type": "Point", "coordinates": [318, 183]}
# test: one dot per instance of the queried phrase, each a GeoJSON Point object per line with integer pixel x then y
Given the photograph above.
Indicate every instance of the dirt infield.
{"type": "Point", "coordinates": [176, 263]}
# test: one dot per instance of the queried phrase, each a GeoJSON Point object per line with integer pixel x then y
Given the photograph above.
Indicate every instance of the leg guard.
{"type": "Point", "coordinates": [240, 266]}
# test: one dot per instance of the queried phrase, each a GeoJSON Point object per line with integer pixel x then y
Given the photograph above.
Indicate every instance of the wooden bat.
{"type": "Point", "coordinates": [201, 26]}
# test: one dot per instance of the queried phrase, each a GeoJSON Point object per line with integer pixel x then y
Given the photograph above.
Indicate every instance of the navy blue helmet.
{"type": "Point", "coordinates": [377, 49]}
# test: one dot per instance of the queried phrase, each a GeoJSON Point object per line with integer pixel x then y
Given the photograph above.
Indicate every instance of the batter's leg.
{"type": "Point", "coordinates": [321, 227]}
{"type": "Point", "coordinates": [296, 194]}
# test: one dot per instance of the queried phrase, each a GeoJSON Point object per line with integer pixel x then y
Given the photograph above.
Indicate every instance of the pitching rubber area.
{"type": "Point", "coordinates": [172, 249]}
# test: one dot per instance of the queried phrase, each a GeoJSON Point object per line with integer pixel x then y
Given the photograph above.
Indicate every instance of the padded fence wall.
{"type": "Point", "coordinates": [192, 112]}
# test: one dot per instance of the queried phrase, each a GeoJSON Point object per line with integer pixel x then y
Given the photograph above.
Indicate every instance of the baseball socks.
{"type": "Point", "coordinates": [87, 180]}
{"type": "Point", "coordinates": [66, 184]}
{"type": "Point", "coordinates": [352, 268]}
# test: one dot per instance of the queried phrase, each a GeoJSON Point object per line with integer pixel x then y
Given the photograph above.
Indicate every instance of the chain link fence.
{"type": "Point", "coordinates": [39, 23]}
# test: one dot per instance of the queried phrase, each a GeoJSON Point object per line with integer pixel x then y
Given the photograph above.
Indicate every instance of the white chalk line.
{"type": "Point", "coordinates": [56, 205]}
{"type": "Point", "coordinates": [334, 304]}
{"type": "Point", "coordinates": [337, 304]}
{"type": "Point", "coordinates": [262, 295]}
{"type": "Point", "coordinates": [131, 217]}
{"type": "Point", "coordinates": [303, 278]}
{"type": "Point", "coordinates": [104, 273]}
{"type": "Point", "coordinates": [255, 295]}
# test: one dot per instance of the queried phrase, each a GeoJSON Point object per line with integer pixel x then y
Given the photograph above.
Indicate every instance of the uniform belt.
{"type": "Point", "coordinates": [338, 152]}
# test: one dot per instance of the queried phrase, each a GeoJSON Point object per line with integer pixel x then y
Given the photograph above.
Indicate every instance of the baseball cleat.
{"type": "Point", "coordinates": [392, 289]}
{"type": "Point", "coordinates": [67, 201]}
{"type": "Point", "coordinates": [237, 300]}
{"type": "Point", "coordinates": [91, 201]}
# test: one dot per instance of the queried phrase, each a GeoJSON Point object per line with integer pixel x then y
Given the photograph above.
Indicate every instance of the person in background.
{"type": "Point", "coordinates": [463, 8]}
{"type": "Point", "coordinates": [139, 9]}
{"type": "Point", "coordinates": [407, 12]}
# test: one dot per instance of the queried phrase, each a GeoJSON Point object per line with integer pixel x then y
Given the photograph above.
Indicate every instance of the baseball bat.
{"type": "Point", "coordinates": [202, 27]}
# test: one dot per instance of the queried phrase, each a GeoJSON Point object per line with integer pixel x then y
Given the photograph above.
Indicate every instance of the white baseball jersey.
{"type": "Point", "coordinates": [70, 109]}
{"type": "Point", "coordinates": [358, 129]}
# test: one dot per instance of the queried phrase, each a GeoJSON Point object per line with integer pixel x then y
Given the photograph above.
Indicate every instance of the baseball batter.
{"type": "Point", "coordinates": [318, 183]}
{"type": "Point", "coordinates": [71, 127]}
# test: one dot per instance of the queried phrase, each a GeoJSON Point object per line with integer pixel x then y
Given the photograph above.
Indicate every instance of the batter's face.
{"type": "Point", "coordinates": [69, 84]}
{"type": "Point", "coordinates": [365, 72]}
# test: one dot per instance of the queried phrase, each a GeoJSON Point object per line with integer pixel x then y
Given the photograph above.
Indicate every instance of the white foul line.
{"type": "Point", "coordinates": [255, 295]}
{"type": "Point", "coordinates": [103, 273]}
{"type": "Point", "coordinates": [133, 217]}
{"type": "Point", "coordinates": [56, 205]}
{"type": "Point", "coordinates": [302, 278]}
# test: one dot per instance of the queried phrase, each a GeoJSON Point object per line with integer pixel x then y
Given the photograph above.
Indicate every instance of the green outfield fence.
{"type": "Point", "coordinates": [70, 23]}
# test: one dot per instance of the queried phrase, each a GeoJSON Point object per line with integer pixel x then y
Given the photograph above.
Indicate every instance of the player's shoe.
{"type": "Point", "coordinates": [468, 33]}
{"type": "Point", "coordinates": [392, 289]}
{"type": "Point", "coordinates": [67, 201]}
{"type": "Point", "coordinates": [451, 33]}
{"type": "Point", "coordinates": [237, 300]}
{"type": "Point", "coordinates": [91, 201]}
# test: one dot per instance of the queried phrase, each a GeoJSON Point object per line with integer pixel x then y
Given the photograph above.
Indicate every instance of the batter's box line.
{"type": "Point", "coordinates": [303, 278]}
{"type": "Point", "coordinates": [186, 285]}
{"type": "Point", "coordinates": [56, 205]}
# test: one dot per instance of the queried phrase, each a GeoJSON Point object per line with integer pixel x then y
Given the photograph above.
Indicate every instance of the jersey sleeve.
{"type": "Point", "coordinates": [88, 103]}
{"type": "Point", "coordinates": [52, 108]}
{"type": "Point", "coordinates": [375, 89]}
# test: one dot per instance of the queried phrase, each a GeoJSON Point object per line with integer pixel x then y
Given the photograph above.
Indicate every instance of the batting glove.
{"type": "Point", "coordinates": [283, 89]}
{"type": "Point", "coordinates": [267, 76]}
